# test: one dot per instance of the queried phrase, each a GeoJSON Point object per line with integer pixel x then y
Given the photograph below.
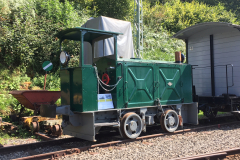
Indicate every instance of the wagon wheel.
{"type": "Point", "coordinates": [236, 107]}
{"type": "Point", "coordinates": [56, 130]}
{"type": "Point", "coordinates": [209, 112]}
{"type": "Point", "coordinates": [131, 125]}
{"type": "Point", "coordinates": [237, 116]}
{"type": "Point", "coordinates": [169, 121]}
{"type": "Point", "coordinates": [35, 127]}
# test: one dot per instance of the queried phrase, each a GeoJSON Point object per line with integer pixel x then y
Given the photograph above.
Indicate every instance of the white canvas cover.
{"type": "Point", "coordinates": [106, 47]}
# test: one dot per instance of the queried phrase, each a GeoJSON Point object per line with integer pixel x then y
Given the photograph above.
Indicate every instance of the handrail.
{"type": "Point", "coordinates": [226, 65]}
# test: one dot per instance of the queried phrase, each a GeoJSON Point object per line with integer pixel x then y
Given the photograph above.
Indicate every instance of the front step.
{"type": "Point", "coordinates": [106, 124]}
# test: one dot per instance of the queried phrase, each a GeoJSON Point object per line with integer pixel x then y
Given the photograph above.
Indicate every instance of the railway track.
{"type": "Point", "coordinates": [70, 151]}
{"type": "Point", "coordinates": [213, 156]}
{"type": "Point", "coordinates": [30, 146]}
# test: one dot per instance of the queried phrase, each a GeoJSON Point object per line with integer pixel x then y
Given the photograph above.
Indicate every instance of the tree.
{"type": "Point", "coordinates": [28, 32]}
{"type": "Point", "coordinates": [178, 15]}
{"type": "Point", "coordinates": [231, 5]}
{"type": "Point", "coordinates": [118, 9]}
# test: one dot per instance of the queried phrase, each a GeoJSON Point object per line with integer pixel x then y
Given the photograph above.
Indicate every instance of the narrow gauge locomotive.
{"type": "Point", "coordinates": [139, 92]}
{"type": "Point", "coordinates": [213, 50]}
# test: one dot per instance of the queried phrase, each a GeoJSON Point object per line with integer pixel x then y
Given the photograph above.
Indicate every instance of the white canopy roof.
{"type": "Point", "coordinates": [210, 27]}
{"type": "Point", "coordinates": [106, 47]}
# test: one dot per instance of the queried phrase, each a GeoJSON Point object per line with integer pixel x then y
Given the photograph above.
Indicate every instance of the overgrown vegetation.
{"type": "Point", "coordinates": [19, 133]}
{"type": "Point", "coordinates": [231, 5]}
{"type": "Point", "coordinates": [14, 80]}
{"type": "Point", "coordinates": [28, 29]}
{"type": "Point", "coordinates": [175, 16]}
{"type": "Point", "coordinates": [166, 45]}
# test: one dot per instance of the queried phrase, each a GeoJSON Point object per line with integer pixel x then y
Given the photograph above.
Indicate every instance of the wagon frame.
{"type": "Point", "coordinates": [212, 50]}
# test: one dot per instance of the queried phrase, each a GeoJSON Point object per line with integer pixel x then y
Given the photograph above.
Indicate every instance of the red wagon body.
{"type": "Point", "coordinates": [34, 98]}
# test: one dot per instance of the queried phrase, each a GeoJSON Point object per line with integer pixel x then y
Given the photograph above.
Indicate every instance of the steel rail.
{"type": "Point", "coordinates": [213, 155]}
{"type": "Point", "coordinates": [24, 147]}
{"type": "Point", "coordinates": [43, 137]}
{"type": "Point", "coordinates": [57, 154]}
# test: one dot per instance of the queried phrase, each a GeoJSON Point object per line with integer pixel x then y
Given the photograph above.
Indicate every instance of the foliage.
{"type": "Point", "coordinates": [27, 32]}
{"type": "Point", "coordinates": [231, 5]}
{"type": "Point", "coordinates": [88, 5]}
{"type": "Point", "coordinates": [153, 2]}
{"type": "Point", "coordinates": [159, 45]}
{"type": "Point", "coordinates": [74, 61]}
{"type": "Point", "coordinates": [118, 9]}
{"type": "Point", "coordinates": [13, 80]}
{"type": "Point", "coordinates": [4, 137]}
{"type": "Point", "coordinates": [52, 82]}
{"type": "Point", "coordinates": [8, 104]}
{"type": "Point", "coordinates": [20, 133]}
{"type": "Point", "coordinates": [177, 16]}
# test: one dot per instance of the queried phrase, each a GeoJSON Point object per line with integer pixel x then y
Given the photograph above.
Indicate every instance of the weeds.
{"type": "Point", "coordinates": [52, 82]}
{"type": "Point", "coordinates": [20, 133]}
{"type": "Point", "coordinates": [23, 133]}
{"type": "Point", "coordinates": [14, 80]}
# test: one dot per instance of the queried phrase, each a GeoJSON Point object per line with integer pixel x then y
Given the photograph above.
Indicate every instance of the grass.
{"type": "Point", "coordinates": [201, 115]}
{"type": "Point", "coordinates": [20, 133]}
{"type": "Point", "coordinates": [4, 137]}
{"type": "Point", "coordinates": [15, 80]}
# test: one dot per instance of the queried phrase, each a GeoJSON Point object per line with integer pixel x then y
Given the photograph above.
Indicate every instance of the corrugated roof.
{"type": "Point", "coordinates": [187, 32]}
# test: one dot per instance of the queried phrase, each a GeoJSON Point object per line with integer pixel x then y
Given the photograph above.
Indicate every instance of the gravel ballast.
{"type": "Point", "coordinates": [164, 147]}
{"type": "Point", "coordinates": [169, 147]}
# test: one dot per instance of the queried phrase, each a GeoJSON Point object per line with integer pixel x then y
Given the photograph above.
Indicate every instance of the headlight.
{"type": "Point", "coordinates": [64, 57]}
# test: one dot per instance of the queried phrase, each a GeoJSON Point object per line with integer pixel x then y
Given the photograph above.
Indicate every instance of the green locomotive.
{"type": "Point", "coordinates": [126, 93]}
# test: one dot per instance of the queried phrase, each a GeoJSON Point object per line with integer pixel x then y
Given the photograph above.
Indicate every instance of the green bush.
{"type": "Point", "coordinates": [177, 16]}
{"type": "Point", "coordinates": [8, 104]}
{"type": "Point", "coordinates": [231, 5]}
{"type": "Point", "coordinates": [28, 31]}
{"type": "Point", "coordinates": [52, 82]}
{"type": "Point", "coordinates": [12, 80]}
{"type": "Point", "coordinates": [159, 45]}
{"type": "Point", "coordinates": [116, 9]}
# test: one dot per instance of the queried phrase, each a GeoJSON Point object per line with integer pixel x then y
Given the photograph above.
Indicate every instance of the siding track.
{"type": "Point", "coordinates": [70, 151]}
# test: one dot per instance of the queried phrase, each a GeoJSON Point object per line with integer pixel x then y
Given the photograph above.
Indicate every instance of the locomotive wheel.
{"type": "Point", "coordinates": [35, 127]}
{"type": "Point", "coordinates": [131, 125]}
{"type": "Point", "coordinates": [169, 121]}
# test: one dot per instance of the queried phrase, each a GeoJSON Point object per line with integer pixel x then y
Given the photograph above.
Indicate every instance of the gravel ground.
{"type": "Point", "coordinates": [165, 147]}
{"type": "Point", "coordinates": [169, 147]}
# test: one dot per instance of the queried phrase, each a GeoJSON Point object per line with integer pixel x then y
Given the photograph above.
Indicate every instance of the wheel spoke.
{"type": "Point", "coordinates": [135, 119]}
{"type": "Point", "coordinates": [128, 122]}
{"type": "Point", "coordinates": [167, 121]}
